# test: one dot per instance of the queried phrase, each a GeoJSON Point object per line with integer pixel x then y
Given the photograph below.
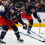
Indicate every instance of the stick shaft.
{"type": "Point", "coordinates": [30, 36]}
{"type": "Point", "coordinates": [36, 34]}
{"type": "Point", "coordinates": [39, 28]}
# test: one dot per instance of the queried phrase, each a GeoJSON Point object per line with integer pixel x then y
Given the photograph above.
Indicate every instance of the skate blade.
{"type": "Point", "coordinates": [43, 41]}
{"type": "Point", "coordinates": [21, 41]}
{"type": "Point", "coordinates": [2, 42]}
{"type": "Point", "coordinates": [28, 34]}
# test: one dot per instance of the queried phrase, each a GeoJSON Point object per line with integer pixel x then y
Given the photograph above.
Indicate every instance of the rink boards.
{"type": "Point", "coordinates": [36, 23]}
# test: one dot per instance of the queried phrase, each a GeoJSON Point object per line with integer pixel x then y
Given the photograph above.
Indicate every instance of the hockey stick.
{"type": "Point", "coordinates": [31, 37]}
{"type": "Point", "coordinates": [36, 34]}
{"type": "Point", "coordinates": [40, 26]}
{"type": "Point", "coordinates": [40, 29]}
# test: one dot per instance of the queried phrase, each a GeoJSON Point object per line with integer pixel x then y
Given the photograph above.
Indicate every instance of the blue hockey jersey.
{"type": "Point", "coordinates": [31, 8]}
{"type": "Point", "coordinates": [11, 14]}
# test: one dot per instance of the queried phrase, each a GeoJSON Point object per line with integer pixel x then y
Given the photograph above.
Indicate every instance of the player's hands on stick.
{"type": "Point", "coordinates": [25, 26]}
{"type": "Point", "coordinates": [39, 20]}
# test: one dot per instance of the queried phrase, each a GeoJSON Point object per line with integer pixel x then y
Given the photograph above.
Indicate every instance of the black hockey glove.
{"type": "Point", "coordinates": [39, 20]}
{"type": "Point", "coordinates": [25, 26]}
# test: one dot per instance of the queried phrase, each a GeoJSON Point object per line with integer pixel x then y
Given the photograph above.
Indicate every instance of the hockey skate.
{"type": "Point", "coordinates": [20, 40]}
{"type": "Point", "coordinates": [2, 42]}
{"type": "Point", "coordinates": [28, 32]}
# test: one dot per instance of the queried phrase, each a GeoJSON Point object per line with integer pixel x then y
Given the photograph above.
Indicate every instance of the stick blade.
{"type": "Point", "coordinates": [41, 33]}
{"type": "Point", "coordinates": [2, 42]}
{"type": "Point", "coordinates": [43, 41]}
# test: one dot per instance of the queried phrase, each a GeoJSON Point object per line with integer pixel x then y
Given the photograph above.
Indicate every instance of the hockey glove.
{"type": "Point", "coordinates": [39, 20]}
{"type": "Point", "coordinates": [25, 26]}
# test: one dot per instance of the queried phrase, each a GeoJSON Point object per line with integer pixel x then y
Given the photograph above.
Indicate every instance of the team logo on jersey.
{"type": "Point", "coordinates": [12, 11]}
{"type": "Point", "coordinates": [32, 10]}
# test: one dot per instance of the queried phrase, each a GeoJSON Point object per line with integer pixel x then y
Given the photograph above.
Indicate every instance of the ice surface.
{"type": "Point", "coordinates": [10, 37]}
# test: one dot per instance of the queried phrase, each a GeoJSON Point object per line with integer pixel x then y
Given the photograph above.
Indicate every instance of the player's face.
{"type": "Point", "coordinates": [37, 4]}
{"type": "Point", "coordinates": [19, 9]}
{"type": "Point", "coordinates": [11, 5]}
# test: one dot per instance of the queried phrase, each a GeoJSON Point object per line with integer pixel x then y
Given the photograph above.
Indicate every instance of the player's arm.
{"type": "Point", "coordinates": [20, 21]}
{"type": "Point", "coordinates": [35, 16]}
{"type": "Point", "coordinates": [18, 16]}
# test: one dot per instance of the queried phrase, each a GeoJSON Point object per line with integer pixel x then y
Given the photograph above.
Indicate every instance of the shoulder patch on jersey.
{"type": "Point", "coordinates": [11, 10]}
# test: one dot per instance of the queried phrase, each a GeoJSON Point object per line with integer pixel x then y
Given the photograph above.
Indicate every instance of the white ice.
{"type": "Point", "coordinates": [10, 37]}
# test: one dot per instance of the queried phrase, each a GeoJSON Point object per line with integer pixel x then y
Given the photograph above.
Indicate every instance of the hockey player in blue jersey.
{"type": "Point", "coordinates": [32, 9]}
{"type": "Point", "coordinates": [7, 21]}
